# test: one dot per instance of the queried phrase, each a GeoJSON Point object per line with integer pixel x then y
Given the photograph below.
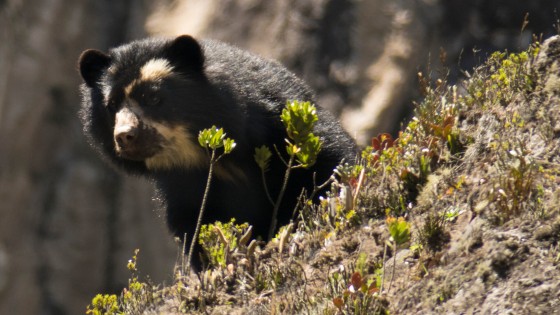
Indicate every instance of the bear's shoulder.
{"type": "Point", "coordinates": [251, 76]}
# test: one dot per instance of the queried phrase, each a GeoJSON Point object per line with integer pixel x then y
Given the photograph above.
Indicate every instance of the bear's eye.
{"type": "Point", "coordinates": [112, 106]}
{"type": "Point", "coordinates": [150, 99]}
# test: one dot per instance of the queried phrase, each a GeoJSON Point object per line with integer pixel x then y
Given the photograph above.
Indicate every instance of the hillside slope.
{"type": "Point", "coordinates": [458, 215]}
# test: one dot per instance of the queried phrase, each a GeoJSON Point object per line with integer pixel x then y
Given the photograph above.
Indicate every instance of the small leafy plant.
{"type": "Point", "coordinates": [432, 235]}
{"type": "Point", "coordinates": [220, 241]}
{"type": "Point", "coordinates": [104, 304]}
{"type": "Point", "coordinates": [399, 229]}
{"type": "Point", "coordinates": [501, 78]}
{"type": "Point", "coordinates": [516, 181]}
{"type": "Point", "coordinates": [302, 147]}
{"type": "Point", "coordinates": [358, 296]}
{"type": "Point", "coordinates": [134, 299]}
{"type": "Point", "coordinates": [355, 292]}
{"type": "Point", "coordinates": [211, 140]}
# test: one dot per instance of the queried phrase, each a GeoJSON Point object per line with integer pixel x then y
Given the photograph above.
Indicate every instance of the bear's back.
{"type": "Point", "coordinates": [251, 78]}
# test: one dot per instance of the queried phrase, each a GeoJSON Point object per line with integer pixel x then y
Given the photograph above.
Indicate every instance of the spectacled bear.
{"type": "Point", "coordinates": [144, 103]}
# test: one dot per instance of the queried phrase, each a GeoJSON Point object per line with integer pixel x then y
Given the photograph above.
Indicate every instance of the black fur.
{"type": "Point", "coordinates": [217, 85]}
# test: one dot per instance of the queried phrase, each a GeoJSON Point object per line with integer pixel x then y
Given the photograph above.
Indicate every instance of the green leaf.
{"type": "Point", "coordinates": [204, 137]}
{"type": "Point", "coordinates": [217, 138]}
{"type": "Point", "coordinates": [219, 240]}
{"type": "Point", "coordinates": [229, 145]}
{"type": "Point", "coordinates": [262, 157]}
{"type": "Point", "coordinates": [307, 155]}
{"type": "Point", "coordinates": [292, 149]}
{"type": "Point", "coordinates": [299, 119]}
{"type": "Point", "coordinates": [399, 230]}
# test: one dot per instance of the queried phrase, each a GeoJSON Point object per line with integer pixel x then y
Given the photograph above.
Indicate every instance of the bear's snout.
{"type": "Point", "coordinates": [125, 138]}
{"type": "Point", "coordinates": [126, 128]}
{"type": "Point", "coordinates": [134, 139]}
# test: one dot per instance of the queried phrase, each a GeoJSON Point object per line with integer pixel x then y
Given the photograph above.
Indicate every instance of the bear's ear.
{"type": "Point", "coordinates": [185, 54]}
{"type": "Point", "coordinates": [91, 64]}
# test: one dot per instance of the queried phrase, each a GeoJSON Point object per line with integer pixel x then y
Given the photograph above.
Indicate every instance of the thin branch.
{"type": "Point", "coordinates": [266, 188]}
{"type": "Point", "coordinates": [201, 212]}
{"type": "Point", "coordinates": [316, 188]}
{"type": "Point", "coordinates": [358, 187]}
{"type": "Point", "coordinates": [280, 155]}
{"type": "Point", "coordinates": [299, 204]}
{"type": "Point", "coordinates": [394, 267]}
{"type": "Point", "coordinates": [274, 220]}
{"type": "Point", "coordinates": [183, 269]}
{"type": "Point", "coordinates": [383, 275]}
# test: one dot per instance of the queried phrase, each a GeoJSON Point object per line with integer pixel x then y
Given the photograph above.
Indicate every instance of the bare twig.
{"type": "Point", "coordinates": [201, 212]}
{"type": "Point", "coordinates": [274, 220]}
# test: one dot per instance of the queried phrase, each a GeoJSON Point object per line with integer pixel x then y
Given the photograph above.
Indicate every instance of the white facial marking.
{"type": "Point", "coordinates": [155, 70]}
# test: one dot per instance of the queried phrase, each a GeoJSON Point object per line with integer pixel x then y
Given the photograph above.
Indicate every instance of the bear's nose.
{"type": "Point", "coordinates": [125, 137]}
{"type": "Point", "coordinates": [126, 128]}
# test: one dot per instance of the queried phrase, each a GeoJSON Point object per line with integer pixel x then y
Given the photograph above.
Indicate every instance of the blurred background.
{"type": "Point", "coordinates": [69, 222]}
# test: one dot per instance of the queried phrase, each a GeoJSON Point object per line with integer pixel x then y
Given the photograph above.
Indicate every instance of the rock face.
{"type": "Point", "coordinates": [69, 223]}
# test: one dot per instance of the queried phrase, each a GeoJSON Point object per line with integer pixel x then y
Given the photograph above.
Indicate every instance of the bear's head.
{"type": "Point", "coordinates": [150, 91]}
